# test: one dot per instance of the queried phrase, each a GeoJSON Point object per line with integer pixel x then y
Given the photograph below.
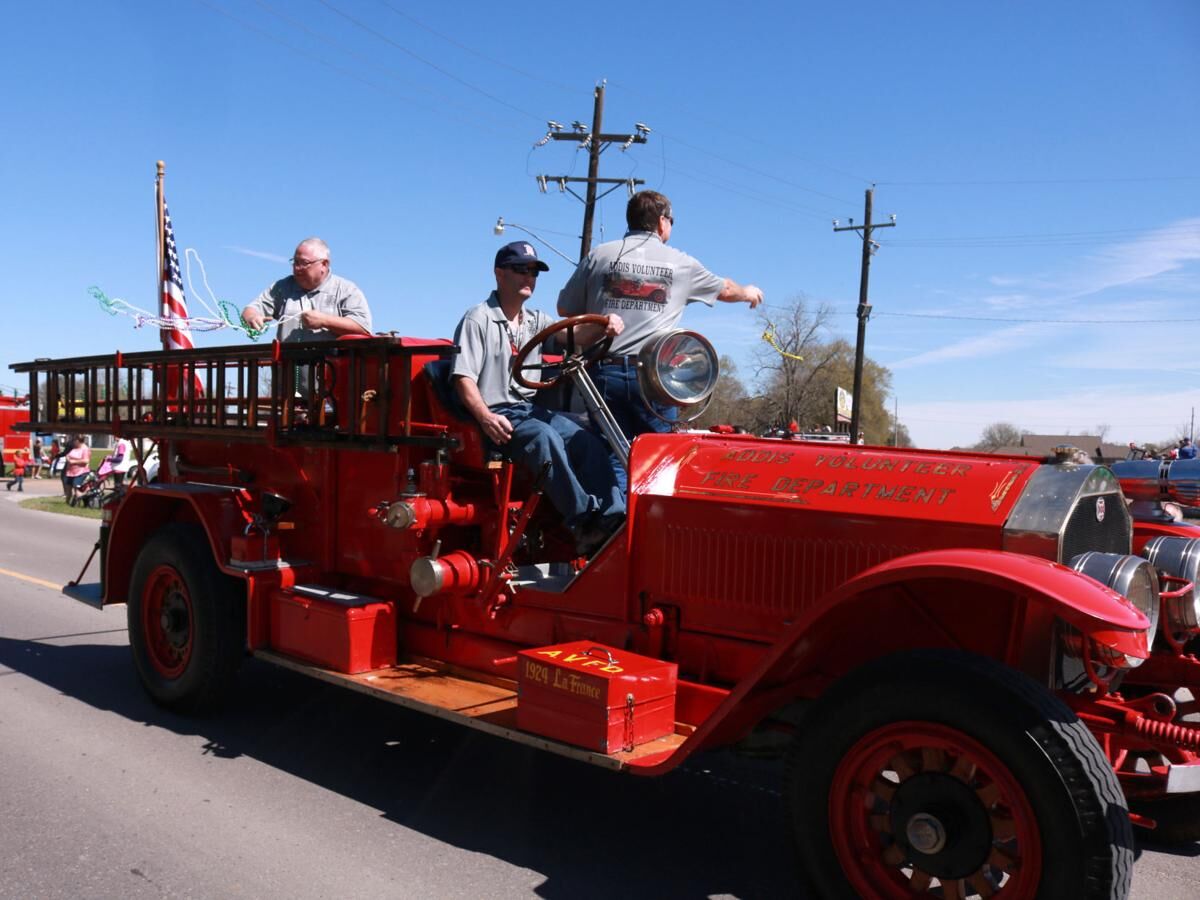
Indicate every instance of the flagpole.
{"type": "Point", "coordinates": [161, 230]}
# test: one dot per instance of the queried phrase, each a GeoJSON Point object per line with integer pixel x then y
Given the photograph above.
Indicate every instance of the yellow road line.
{"type": "Point", "coordinates": [31, 579]}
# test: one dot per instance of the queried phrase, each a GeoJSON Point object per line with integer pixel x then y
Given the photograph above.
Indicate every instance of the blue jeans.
{"type": "Point", "coordinates": [580, 481]}
{"type": "Point", "coordinates": [617, 383]}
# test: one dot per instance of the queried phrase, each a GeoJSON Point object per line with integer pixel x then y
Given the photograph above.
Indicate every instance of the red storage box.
{"type": "Point", "coordinates": [337, 629]}
{"type": "Point", "coordinates": [593, 696]}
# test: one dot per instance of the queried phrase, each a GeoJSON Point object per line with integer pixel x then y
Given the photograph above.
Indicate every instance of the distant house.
{"type": "Point", "coordinates": [1042, 446]}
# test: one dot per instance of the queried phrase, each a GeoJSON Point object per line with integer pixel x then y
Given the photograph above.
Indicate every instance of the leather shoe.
{"type": "Point", "coordinates": [595, 534]}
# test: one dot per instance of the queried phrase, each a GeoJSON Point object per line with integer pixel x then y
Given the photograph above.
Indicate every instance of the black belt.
{"type": "Point", "coordinates": [623, 361]}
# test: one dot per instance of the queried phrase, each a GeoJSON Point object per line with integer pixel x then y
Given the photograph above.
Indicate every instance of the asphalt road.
{"type": "Point", "coordinates": [300, 789]}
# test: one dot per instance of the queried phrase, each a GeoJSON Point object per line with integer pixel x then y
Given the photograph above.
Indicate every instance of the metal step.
{"type": "Point", "coordinates": [91, 593]}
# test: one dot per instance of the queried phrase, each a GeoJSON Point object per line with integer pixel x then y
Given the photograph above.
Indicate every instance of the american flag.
{"type": "Point", "coordinates": [174, 306]}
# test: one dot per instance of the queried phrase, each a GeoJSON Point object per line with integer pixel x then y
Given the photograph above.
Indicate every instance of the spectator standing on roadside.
{"type": "Point", "coordinates": [78, 464]}
{"type": "Point", "coordinates": [37, 460]}
{"type": "Point", "coordinates": [1187, 450]}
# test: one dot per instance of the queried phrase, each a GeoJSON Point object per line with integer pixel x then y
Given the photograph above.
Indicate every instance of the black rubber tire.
{"type": "Point", "coordinates": [1177, 818]}
{"type": "Point", "coordinates": [1079, 807]}
{"type": "Point", "coordinates": [217, 624]}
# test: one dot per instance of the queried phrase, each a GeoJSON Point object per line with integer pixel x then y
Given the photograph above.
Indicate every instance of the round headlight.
{"type": "Point", "coordinates": [678, 368]}
{"type": "Point", "coordinates": [1131, 576]}
{"type": "Point", "coordinates": [1178, 556]}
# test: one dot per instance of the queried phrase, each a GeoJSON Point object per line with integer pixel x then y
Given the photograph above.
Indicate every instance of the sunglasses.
{"type": "Point", "coordinates": [531, 271]}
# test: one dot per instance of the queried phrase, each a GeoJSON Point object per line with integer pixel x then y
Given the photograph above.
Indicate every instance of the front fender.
{"type": "Point", "coordinates": [834, 636]}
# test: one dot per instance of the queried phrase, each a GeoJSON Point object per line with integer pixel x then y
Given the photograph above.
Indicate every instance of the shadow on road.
{"type": "Point", "coordinates": [714, 828]}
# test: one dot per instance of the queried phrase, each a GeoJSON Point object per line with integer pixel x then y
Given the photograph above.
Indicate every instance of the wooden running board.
{"type": "Point", "coordinates": [486, 707]}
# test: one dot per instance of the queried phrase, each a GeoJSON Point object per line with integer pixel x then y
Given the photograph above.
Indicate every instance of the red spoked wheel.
{"type": "Point", "coordinates": [915, 806]}
{"type": "Point", "coordinates": [166, 621]}
{"type": "Point", "coordinates": [187, 620]}
{"type": "Point", "coordinates": [939, 773]}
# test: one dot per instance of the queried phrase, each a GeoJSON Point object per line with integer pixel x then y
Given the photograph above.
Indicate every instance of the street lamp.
{"type": "Point", "coordinates": [498, 229]}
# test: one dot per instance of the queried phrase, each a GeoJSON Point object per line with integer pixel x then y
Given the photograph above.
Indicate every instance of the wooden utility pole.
{"type": "Point", "coordinates": [596, 143]}
{"type": "Point", "coordinates": [864, 308]}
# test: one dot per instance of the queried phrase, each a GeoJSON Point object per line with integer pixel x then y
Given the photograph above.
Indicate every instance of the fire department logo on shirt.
{"type": "Point", "coordinates": [1099, 509]}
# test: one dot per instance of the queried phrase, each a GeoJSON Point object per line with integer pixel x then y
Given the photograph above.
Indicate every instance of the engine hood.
{"type": "Point", "coordinates": [848, 480]}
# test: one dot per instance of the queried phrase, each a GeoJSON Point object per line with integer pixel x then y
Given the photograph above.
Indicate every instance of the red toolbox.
{"type": "Point", "coordinates": [339, 630]}
{"type": "Point", "coordinates": [593, 696]}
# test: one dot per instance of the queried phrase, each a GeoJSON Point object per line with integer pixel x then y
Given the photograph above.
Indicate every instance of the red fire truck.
{"type": "Point", "coordinates": [13, 410]}
{"type": "Point", "coordinates": [944, 639]}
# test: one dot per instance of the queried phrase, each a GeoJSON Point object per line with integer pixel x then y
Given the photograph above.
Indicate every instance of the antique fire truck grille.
{"type": "Point", "coordinates": [727, 586]}
{"type": "Point", "coordinates": [1086, 531]}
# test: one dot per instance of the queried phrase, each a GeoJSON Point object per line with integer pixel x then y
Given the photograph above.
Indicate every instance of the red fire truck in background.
{"type": "Point", "coordinates": [950, 642]}
{"type": "Point", "coordinates": [13, 410]}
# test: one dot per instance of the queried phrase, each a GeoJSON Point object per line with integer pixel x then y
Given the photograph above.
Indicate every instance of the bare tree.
{"type": "Point", "coordinates": [997, 435]}
{"type": "Point", "coordinates": [791, 356]}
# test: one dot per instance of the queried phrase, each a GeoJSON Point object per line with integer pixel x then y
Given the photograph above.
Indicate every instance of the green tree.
{"type": "Point", "coordinates": [729, 399]}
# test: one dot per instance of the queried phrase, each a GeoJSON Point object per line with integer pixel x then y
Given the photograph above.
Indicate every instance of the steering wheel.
{"type": "Point", "coordinates": [585, 357]}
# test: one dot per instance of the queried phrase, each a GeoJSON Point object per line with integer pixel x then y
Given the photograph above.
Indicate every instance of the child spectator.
{"type": "Point", "coordinates": [20, 460]}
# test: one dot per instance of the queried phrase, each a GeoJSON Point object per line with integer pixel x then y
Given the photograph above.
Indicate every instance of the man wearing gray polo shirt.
{"type": "Point", "coordinates": [648, 284]}
{"type": "Point", "coordinates": [311, 304]}
{"type": "Point", "coordinates": [580, 482]}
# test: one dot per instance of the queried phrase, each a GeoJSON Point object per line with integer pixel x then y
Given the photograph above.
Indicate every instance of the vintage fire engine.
{"type": "Point", "coordinates": [943, 638]}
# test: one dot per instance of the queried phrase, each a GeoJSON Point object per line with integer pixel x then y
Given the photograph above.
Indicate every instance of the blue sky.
{"type": "Point", "coordinates": [1041, 159]}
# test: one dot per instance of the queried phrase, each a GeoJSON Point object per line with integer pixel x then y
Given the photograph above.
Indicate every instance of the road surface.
{"type": "Point", "coordinates": [302, 790]}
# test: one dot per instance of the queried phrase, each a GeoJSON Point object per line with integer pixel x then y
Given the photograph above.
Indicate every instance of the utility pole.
{"type": "Point", "coordinates": [864, 308]}
{"type": "Point", "coordinates": [596, 142]}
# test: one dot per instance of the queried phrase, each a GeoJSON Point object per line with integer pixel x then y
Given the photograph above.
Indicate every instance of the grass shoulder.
{"type": "Point", "coordinates": [59, 505]}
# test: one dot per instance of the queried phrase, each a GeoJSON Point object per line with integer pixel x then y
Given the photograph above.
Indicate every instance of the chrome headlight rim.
{"type": "Point", "coordinates": [659, 368]}
{"type": "Point", "coordinates": [1134, 578]}
{"type": "Point", "coordinates": [1180, 557]}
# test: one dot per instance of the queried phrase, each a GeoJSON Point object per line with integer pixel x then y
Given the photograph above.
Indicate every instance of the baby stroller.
{"type": "Point", "coordinates": [88, 492]}
{"type": "Point", "coordinates": [97, 487]}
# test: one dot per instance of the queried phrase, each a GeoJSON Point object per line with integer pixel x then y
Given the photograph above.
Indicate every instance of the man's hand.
{"type": "Point", "coordinates": [252, 317]}
{"type": "Point", "coordinates": [314, 320]}
{"type": "Point", "coordinates": [615, 325]}
{"type": "Point", "coordinates": [736, 293]}
{"type": "Point", "coordinates": [496, 427]}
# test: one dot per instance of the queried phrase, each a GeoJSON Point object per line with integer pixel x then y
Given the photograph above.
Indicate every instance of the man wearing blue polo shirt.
{"type": "Point", "coordinates": [580, 482]}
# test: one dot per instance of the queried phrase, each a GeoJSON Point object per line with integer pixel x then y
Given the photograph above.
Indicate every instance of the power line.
{"type": "Point", "coordinates": [481, 55]}
{"type": "Point", "coordinates": [1040, 181]}
{"type": "Point", "coordinates": [1029, 321]}
{"type": "Point", "coordinates": [751, 137]}
{"type": "Point", "coordinates": [758, 172]}
{"type": "Point", "coordinates": [341, 70]}
{"type": "Point", "coordinates": [391, 73]}
{"type": "Point", "coordinates": [424, 61]}
{"type": "Point", "coordinates": [770, 201]}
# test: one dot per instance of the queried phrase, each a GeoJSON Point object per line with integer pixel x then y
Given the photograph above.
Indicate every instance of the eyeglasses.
{"type": "Point", "coordinates": [531, 271]}
{"type": "Point", "coordinates": [670, 218]}
{"type": "Point", "coordinates": [305, 263]}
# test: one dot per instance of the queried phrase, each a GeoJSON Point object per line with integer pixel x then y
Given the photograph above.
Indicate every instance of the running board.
{"type": "Point", "coordinates": [487, 707]}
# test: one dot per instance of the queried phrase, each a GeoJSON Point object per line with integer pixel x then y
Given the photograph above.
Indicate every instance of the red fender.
{"type": "Point", "coordinates": [1081, 601]}
{"type": "Point", "coordinates": [220, 511]}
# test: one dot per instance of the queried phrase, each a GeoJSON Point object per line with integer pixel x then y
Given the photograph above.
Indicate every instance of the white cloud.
{"type": "Point", "coordinates": [260, 254]}
{"type": "Point", "coordinates": [1133, 414]}
{"type": "Point", "coordinates": [1004, 340]}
